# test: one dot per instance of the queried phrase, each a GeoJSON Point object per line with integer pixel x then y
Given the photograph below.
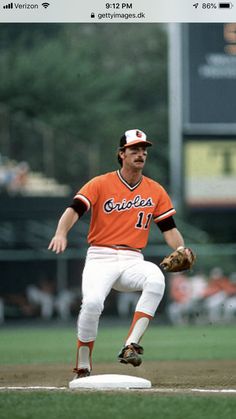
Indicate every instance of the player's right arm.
{"type": "Point", "coordinates": [59, 242]}
{"type": "Point", "coordinates": [81, 203]}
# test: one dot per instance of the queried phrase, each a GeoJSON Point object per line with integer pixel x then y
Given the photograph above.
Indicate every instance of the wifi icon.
{"type": "Point", "coordinates": [45, 5]}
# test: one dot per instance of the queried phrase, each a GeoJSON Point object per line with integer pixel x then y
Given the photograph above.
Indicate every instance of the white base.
{"type": "Point", "coordinates": [107, 381]}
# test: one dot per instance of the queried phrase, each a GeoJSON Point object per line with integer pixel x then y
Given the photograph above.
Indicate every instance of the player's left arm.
{"type": "Point", "coordinates": [163, 217]}
{"type": "Point", "coordinates": [171, 234]}
{"type": "Point", "coordinates": [173, 238]}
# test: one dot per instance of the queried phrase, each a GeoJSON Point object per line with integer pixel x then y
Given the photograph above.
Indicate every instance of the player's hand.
{"type": "Point", "coordinates": [58, 244]}
{"type": "Point", "coordinates": [180, 260]}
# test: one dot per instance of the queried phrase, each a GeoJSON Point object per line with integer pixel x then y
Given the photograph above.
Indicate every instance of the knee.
{"type": "Point", "coordinates": [93, 306]}
{"type": "Point", "coordinates": [155, 284]}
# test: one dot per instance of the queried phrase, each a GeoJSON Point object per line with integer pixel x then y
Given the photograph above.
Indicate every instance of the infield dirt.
{"type": "Point", "coordinates": [162, 374]}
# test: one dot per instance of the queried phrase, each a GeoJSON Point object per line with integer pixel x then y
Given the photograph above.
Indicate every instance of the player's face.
{"type": "Point", "coordinates": [134, 157]}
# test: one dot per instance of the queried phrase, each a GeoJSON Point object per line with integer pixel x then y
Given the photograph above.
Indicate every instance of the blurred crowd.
{"type": "Point", "coordinates": [191, 299]}
{"type": "Point", "coordinates": [40, 300]}
{"type": "Point", "coordinates": [13, 176]}
{"type": "Point", "coordinates": [201, 299]}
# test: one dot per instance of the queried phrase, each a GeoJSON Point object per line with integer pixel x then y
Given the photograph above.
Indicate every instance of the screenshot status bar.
{"type": "Point", "coordinates": [101, 11]}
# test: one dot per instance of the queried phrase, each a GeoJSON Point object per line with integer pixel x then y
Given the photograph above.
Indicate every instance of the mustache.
{"type": "Point", "coordinates": [139, 160]}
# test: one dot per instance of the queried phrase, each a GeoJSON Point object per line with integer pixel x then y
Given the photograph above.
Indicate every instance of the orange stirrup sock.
{"type": "Point", "coordinates": [138, 327]}
{"type": "Point", "coordinates": [84, 355]}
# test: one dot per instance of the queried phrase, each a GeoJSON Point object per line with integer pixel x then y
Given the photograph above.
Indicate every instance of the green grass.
{"type": "Point", "coordinates": [56, 345]}
{"type": "Point", "coordinates": [168, 343]}
{"type": "Point", "coordinates": [116, 406]}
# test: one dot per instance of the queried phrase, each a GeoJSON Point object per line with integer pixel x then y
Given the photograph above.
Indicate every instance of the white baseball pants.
{"type": "Point", "coordinates": [122, 270]}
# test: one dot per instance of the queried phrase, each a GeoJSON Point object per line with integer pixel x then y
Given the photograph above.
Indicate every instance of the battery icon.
{"type": "Point", "coordinates": [225, 5]}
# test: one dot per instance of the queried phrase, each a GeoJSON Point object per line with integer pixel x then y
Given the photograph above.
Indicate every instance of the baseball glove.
{"type": "Point", "coordinates": [181, 259]}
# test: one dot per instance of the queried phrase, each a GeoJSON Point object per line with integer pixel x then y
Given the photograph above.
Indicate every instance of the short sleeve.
{"type": "Point", "coordinates": [164, 207]}
{"type": "Point", "coordinates": [89, 193]}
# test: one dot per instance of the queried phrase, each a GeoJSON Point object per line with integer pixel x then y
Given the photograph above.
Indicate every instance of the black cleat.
{"type": "Point", "coordinates": [130, 355]}
{"type": "Point", "coordinates": [81, 373]}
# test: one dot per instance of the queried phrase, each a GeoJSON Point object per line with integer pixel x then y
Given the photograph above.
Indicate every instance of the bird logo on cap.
{"type": "Point", "coordinates": [138, 134]}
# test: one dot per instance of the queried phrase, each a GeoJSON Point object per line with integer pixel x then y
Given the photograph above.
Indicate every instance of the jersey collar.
{"type": "Point", "coordinates": [131, 188]}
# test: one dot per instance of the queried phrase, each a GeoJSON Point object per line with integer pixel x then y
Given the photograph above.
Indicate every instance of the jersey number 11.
{"type": "Point", "coordinates": [143, 222]}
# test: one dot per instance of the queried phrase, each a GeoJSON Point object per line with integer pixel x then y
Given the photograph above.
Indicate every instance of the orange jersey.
{"type": "Point", "coordinates": [121, 214]}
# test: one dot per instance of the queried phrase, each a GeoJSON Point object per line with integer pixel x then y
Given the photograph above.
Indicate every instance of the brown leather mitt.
{"type": "Point", "coordinates": [181, 259]}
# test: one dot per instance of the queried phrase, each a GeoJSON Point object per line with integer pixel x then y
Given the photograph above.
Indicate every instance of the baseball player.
{"type": "Point", "coordinates": [123, 203]}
